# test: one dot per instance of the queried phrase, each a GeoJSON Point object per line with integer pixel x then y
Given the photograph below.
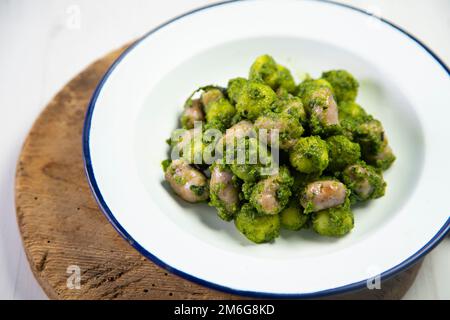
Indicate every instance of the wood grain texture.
{"type": "Point", "coordinates": [61, 224]}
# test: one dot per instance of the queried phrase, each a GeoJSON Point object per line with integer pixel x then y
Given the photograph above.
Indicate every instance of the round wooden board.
{"type": "Point", "coordinates": [61, 225]}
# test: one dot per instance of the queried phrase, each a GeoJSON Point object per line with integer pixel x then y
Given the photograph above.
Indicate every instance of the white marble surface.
{"type": "Point", "coordinates": [43, 44]}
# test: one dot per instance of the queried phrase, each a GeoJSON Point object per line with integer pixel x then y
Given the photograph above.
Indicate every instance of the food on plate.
{"type": "Point", "coordinates": [290, 129]}
{"type": "Point", "coordinates": [193, 112]}
{"type": "Point", "coordinates": [188, 183]}
{"type": "Point", "coordinates": [270, 154]}
{"type": "Point", "coordinates": [323, 194]}
{"type": "Point", "coordinates": [334, 222]}
{"type": "Point", "coordinates": [292, 216]}
{"type": "Point", "coordinates": [253, 98]}
{"type": "Point", "coordinates": [265, 69]}
{"type": "Point", "coordinates": [341, 152]}
{"type": "Point", "coordinates": [224, 191]}
{"type": "Point", "coordinates": [364, 181]}
{"type": "Point", "coordinates": [345, 86]}
{"type": "Point", "coordinates": [309, 155]}
{"type": "Point", "coordinates": [256, 227]}
{"type": "Point", "coordinates": [271, 194]}
{"type": "Point", "coordinates": [321, 107]}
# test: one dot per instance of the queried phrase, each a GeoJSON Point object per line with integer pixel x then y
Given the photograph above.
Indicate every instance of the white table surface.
{"type": "Point", "coordinates": [43, 44]}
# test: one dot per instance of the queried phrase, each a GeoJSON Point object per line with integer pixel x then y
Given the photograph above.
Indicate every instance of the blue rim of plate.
{"type": "Point", "coordinates": [121, 230]}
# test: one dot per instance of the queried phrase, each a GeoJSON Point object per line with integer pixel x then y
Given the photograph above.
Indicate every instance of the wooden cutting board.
{"type": "Point", "coordinates": [64, 231]}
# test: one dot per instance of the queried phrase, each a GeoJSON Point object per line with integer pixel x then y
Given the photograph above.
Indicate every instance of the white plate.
{"type": "Point", "coordinates": [136, 106]}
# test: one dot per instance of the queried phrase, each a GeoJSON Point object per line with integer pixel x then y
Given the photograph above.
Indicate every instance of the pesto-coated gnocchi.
{"type": "Point", "coordinates": [277, 156]}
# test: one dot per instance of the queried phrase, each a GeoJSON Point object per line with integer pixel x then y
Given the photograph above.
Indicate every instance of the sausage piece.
{"type": "Point", "coordinates": [188, 183]}
{"type": "Point", "coordinates": [323, 194]}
